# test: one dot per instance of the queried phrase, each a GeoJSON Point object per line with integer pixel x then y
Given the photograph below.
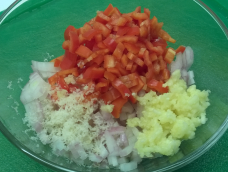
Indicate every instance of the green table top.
{"type": "Point", "coordinates": [215, 160]}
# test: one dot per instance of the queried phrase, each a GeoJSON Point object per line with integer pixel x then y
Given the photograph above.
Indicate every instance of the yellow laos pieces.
{"type": "Point", "coordinates": [169, 118]}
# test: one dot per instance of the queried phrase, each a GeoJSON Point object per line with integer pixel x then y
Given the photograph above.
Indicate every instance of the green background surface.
{"type": "Point", "coordinates": [215, 160]}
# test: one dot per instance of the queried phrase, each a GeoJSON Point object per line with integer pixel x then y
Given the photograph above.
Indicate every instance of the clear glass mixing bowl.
{"type": "Point", "coordinates": [33, 30]}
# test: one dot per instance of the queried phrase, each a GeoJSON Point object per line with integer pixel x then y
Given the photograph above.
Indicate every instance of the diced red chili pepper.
{"type": "Point", "coordinates": [109, 61]}
{"type": "Point", "coordinates": [180, 49]}
{"type": "Point", "coordinates": [69, 60]}
{"type": "Point", "coordinates": [118, 104]}
{"type": "Point", "coordinates": [119, 51]}
{"type": "Point", "coordinates": [147, 11]}
{"type": "Point", "coordinates": [133, 31]}
{"type": "Point", "coordinates": [62, 83]}
{"type": "Point", "coordinates": [131, 48]}
{"type": "Point", "coordinates": [67, 31]}
{"type": "Point", "coordinates": [110, 43]}
{"type": "Point", "coordinates": [108, 10]}
{"type": "Point", "coordinates": [119, 85]}
{"type": "Point", "coordinates": [114, 71]}
{"type": "Point", "coordinates": [141, 52]}
{"type": "Point", "coordinates": [57, 63]}
{"type": "Point", "coordinates": [127, 38]}
{"type": "Point", "coordinates": [121, 69]}
{"type": "Point", "coordinates": [102, 18]}
{"type": "Point", "coordinates": [99, 59]}
{"type": "Point", "coordinates": [110, 95]}
{"type": "Point", "coordinates": [157, 86]}
{"type": "Point", "coordinates": [169, 56]}
{"type": "Point", "coordinates": [66, 45]}
{"type": "Point", "coordinates": [121, 21]}
{"type": "Point", "coordinates": [53, 79]}
{"type": "Point", "coordinates": [159, 42]}
{"type": "Point", "coordinates": [91, 33]}
{"type": "Point", "coordinates": [109, 76]}
{"type": "Point", "coordinates": [83, 51]}
{"type": "Point", "coordinates": [73, 71]}
{"type": "Point", "coordinates": [138, 87]}
{"type": "Point", "coordinates": [74, 41]}
{"type": "Point", "coordinates": [102, 27]}
{"type": "Point", "coordinates": [122, 30]}
{"type": "Point", "coordinates": [93, 73]}
{"type": "Point", "coordinates": [124, 60]}
{"type": "Point", "coordinates": [147, 59]}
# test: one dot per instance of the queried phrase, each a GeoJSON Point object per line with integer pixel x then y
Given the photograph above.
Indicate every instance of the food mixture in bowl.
{"type": "Point", "coordinates": [116, 95]}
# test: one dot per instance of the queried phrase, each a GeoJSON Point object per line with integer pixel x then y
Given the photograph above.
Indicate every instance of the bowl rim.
{"type": "Point", "coordinates": [180, 163]}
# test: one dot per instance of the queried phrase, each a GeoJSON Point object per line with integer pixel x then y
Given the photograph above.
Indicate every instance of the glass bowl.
{"type": "Point", "coordinates": [33, 30]}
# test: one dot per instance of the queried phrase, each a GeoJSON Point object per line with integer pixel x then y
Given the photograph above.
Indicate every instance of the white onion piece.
{"type": "Point", "coordinates": [34, 115]}
{"type": "Point", "coordinates": [46, 75]}
{"type": "Point", "coordinates": [127, 108]}
{"type": "Point", "coordinates": [127, 150]}
{"type": "Point", "coordinates": [131, 115]}
{"type": "Point", "coordinates": [116, 130]}
{"type": "Point", "coordinates": [78, 151]}
{"type": "Point", "coordinates": [35, 88]}
{"type": "Point", "coordinates": [141, 93]}
{"type": "Point", "coordinates": [83, 155]}
{"type": "Point", "coordinates": [128, 166]}
{"type": "Point", "coordinates": [135, 131]}
{"type": "Point", "coordinates": [135, 156]}
{"type": "Point", "coordinates": [103, 151]}
{"type": "Point", "coordinates": [124, 140]}
{"type": "Point", "coordinates": [107, 116]}
{"type": "Point", "coordinates": [122, 160]}
{"type": "Point", "coordinates": [112, 160]}
{"type": "Point", "coordinates": [95, 158]}
{"type": "Point", "coordinates": [74, 151]}
{"type": "Point", "coordinates": [191, 80]}
{"type": "Point", "coordinates": [139, 110]}
{"type": "Point", "coordinates": [58, 145]}
{"type": "Point", "coordinates": [111, 144]}
{"type": "Point", "coordinates": [44, 66]}
{"type": "Point", "coordinates": [184, 75]}
{"type": "Point", "coordinates": [177, 64]}
{"type": "Point", "coordinates": [184, 61]}
{"type": "Point", "coordinates": [123, 116]}
{"type": "Point", "coordinates": [189, 55]}
{"type": "Point", "coordinates": [129, 132]}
